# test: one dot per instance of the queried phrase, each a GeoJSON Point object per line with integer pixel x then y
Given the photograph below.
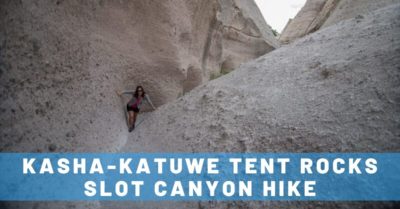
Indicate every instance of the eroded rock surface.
{"type": "Point", "coordinates": [62, 61]}
{"type": "Point", "coordinates": [245, 34]}
{"type": "Point", "coordinates": [298, 26]}
{"type": "Point", "coordinates": [327, 92]}
{"type": "Point", "coordinates": [318, 14]}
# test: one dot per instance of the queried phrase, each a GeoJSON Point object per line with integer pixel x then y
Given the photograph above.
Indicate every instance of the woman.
{"type": "Point", "coordinates": [133, 106]}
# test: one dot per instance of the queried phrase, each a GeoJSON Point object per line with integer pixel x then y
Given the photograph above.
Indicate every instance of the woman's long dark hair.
{"type": "Point", "coordinates": [137, 93]}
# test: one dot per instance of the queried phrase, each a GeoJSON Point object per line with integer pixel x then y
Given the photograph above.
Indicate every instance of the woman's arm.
{"type": "Point", "coordinates": [149, 101]}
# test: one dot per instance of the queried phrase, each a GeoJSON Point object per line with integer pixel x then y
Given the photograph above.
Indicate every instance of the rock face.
{"type": "Point", "coordinates": [351, 8]}
{"type": "Point", "coordinates": [61, 62]}
{"type": "Point", "coordinates": [317, 14]}
{"type": "Point", "coordinates": [245, 34]}
{"type": "Point", "coordinates": [328, 92]}
{"type": "Point", "coordinates": [298, 26]}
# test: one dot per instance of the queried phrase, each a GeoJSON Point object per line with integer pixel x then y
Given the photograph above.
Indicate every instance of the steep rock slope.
{"type": "Point", "coordinates": [298, 26]}
{"type": "Point", "coordinates": [332, 91]}
{"type": "Point", "coordinates": [61, 62]}
{"type": "Point", "coordinates": [327, 92]}
{"type": "Point", "coordinates": [245, 34]}
{"type": "Point", "coordinates": [317, 14]}
{"type": "Point", "coordinates": [351, 8]}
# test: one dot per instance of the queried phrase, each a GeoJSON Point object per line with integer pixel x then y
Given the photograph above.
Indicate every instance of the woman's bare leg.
{"type": "Point", "coordinates": [131, 116]}
{"type": "Point", "coordinates": [134, 118]}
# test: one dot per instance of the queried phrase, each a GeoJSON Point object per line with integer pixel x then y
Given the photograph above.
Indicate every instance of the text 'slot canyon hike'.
{"type": "Point", "coordinates": [337, 89]}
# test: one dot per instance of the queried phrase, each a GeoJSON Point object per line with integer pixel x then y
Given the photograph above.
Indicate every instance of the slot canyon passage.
{"type": "Point", "coordinates": [335, 86]}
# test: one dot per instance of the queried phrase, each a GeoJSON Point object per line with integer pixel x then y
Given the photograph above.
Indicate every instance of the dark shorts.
{"type": "Point", "coordinates": [134, 109]}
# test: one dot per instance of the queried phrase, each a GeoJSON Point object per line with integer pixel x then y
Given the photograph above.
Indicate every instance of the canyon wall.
{"type": "Point", "coordinates": [318, 14]}
{"type": "Point", "coordinates": [336, 90]}
{"type": "Point", "coordinates": [62, 61]}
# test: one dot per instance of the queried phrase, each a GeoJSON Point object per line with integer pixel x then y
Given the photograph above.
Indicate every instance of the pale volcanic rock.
{"type": "Point", "coordinates": [318, 14]}
{"type": "Point", "coordinates": [347, 9]}
{"type": "Point", "coordinates": [336, 90]}
{"type": "Point", "coordinates": [298, 26]}
{"type": "Point", "coordinates": [245, 34]}
{"type": "Point", "coordinates": [62, 61]}
{"type": "Point", "coordinates": [328, 91]}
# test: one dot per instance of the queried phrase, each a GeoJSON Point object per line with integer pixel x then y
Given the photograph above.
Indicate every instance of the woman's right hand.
{"type": "Point", "coordinates": [118, 93]}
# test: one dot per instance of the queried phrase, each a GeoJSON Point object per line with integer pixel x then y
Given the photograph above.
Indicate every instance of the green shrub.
{"type": "Point", "coordinates": [221, 73]}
